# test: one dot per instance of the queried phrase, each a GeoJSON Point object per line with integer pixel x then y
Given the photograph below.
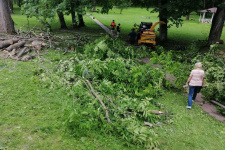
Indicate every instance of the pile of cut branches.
{"type": "Point", "coordinates": [20, 49]}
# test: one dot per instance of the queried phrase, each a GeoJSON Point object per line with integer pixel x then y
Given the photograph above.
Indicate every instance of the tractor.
{"type": "Point", "coordinates": [147, 34]}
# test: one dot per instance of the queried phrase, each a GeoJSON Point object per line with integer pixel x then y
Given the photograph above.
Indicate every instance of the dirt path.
{"type": "Point", "coordinates": [205, 105]}
{"type": "Point", "coordinates": [209, 108]}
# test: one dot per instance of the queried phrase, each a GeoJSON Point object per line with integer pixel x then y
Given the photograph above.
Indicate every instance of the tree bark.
{"type": "Point", "coordinates": [74, 23]}
{"type": "Point", "coordinates": [6, 43]}
{"type": "Point", "coordinates": [217, 26]}
{"type": "Point", "coordinates": [6, 22]}
{"type": "Point", "coordinates": [10, 5]}
{"type": "Point", "coordinates": [17, 45]}
{"type": "Point", "coordinates": [94, 6]}
{"type": "Point", "coordinates": [19, 3]}
{"type": "Point", "coordinates": [121, 9]}
{"type": "Point", "coordinates": [62, 20]}
{"type": "Point", "coordinates": [163, 17]}
{"type": "Point", "coordinates": [187, 16]}
{"type": "Point", "coordinates": [81, 20]}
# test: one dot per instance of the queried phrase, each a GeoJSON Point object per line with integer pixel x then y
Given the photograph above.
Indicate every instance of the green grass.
{"type": "Point", "coordinates": [190, 129]}
{"type": "Point", "coordinates": [31, 116]}
{"type": "Point", "coordinates": [90, 26]}
{"type": "Point", "coordinates": [190, 31]}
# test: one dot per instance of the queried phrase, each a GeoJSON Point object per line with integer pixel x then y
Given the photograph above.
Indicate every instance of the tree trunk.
{"type": "Point", "coordinates": [81, 20]}
{"type": "Point", "coordinates": [19, 3]}
{"type": "Point", "coordinates": [62, 20]}
{"type": "Point", "coordinates": [94, 6]}
{"type": "Point", "coordinates": [163, 17]}
{"type": "Point", "coordinates": [73, 16]}
{"type": "Point", "coordinates": [10, 5]}
{"type": "Point", "coordinates": [6, 22]}
{"type": "Point", "coordinates": [217, 26]}
{"type": "Point", "coordinates": [187, 16]}
{"type": "Point", "coordinates": [121, 9]}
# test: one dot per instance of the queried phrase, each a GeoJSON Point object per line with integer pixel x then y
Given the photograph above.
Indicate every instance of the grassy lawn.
{"type": "Point", "coordinates": [190, 129]}
{"type": "Point", "coordinates": [91, 28]}
{"type": "Point", "coordinates": [31, 116]}
{"type": "Point", "coordinates": [190, 31]}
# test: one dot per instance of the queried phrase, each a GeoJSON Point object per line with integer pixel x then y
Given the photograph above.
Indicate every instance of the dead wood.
{"type": "Point", "coordinates": [99, 99]}
{"type": "Point", "coordinates": [37, 44]}
{"type": "Point", "coordinates": [148, 124]}
{"type": "Point", "coordinates": [27, 57]}
{"type": "Point", "coordinates": [16, 45]}
{"type": "Point", "coordinates": [22, 52]}
{"type": "Point", "coordinates": [6, 43]}
{"type": "Point", "coordinates": [156, 112]}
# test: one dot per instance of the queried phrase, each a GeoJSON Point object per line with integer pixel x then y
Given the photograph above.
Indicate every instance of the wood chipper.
{"type": "Point", "coordinates": [146, 33]}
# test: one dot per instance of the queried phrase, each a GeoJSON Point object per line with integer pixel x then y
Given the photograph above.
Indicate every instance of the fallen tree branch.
{"type": "Point", "coordinates": [6, 43]}
{"type": "Point", "coordinates": [20, 44]}
{"type": "Point", "coordinates": [99, 99]}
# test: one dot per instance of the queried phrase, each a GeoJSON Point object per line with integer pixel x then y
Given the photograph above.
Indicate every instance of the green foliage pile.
{"type": "Point", "coordinates": [126, 88]}
{"type": "Point", "coordinates": [214, 74]}
{"type": "Point", "coordinates": [180, 64]}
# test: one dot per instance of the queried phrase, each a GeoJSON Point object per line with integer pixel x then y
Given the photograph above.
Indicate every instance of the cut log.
{"type": "Point", "coordinates": [37, 44]}
{"type": "Point", "coordinates": [27, 57]}
{"type": "Point", "coordinates": [148, 124]}
{"type": "Point", "coordinates": [16, 45]}
{"type": "Point", "coordinates": [6, 43]}
{"type": "Point", "coordinates": [22, 52]}
{"type": "Point", "coordinates": [156, 112]}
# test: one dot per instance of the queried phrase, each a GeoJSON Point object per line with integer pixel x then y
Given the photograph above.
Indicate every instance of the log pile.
{"type": "Point", "coordinates": [26, 45]}
{"type": "Point", "coordinates": [20, 49]}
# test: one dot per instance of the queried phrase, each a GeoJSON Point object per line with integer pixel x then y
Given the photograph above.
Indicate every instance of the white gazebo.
{"type": "Point", "coordinates": [202, 17]}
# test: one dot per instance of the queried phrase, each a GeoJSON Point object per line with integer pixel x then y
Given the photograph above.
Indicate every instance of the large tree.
{"type": "Point", "coordinates": [6, 22]}
{"type": "Point", "coordinates": [217, 24]}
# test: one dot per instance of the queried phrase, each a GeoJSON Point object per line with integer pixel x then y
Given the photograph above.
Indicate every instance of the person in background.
{"type": "Point", "coordinates": [133, 36]}
{"type": "Point", "coordinates": [195, 81]}
{"type": "Point", "coordinates": [113, 26]}
{"type": "Point", "coordinates": [118, 30]}
{"type": "Point", "coordinates": [135, 27]}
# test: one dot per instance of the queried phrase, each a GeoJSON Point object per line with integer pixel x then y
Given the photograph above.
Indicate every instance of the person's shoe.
{"type": "Point", "coordinates": [188, 107]}
{"type": "Point", "coordinates": [193, 100]}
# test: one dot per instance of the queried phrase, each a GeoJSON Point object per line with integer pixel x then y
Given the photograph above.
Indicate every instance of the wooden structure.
{"type": "Point", "coordinates": [203, 19]}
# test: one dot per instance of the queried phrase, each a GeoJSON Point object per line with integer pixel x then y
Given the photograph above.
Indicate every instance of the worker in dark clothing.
{"type": "Point", "coordinates": [118, 30]}
{"type": "Point", "coordinates": [133, 36]}
{"type": "Point", "coordinates": [113, 26]}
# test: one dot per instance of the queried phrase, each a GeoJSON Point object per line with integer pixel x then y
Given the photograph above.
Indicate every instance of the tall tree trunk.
{"type": "Point", "coordinates": [163, 17]}
{"type": "Point", "coordinates": [121, 9]}
{"type": "Point", "coordinates": [6, 22]}
{"type": "Point", "coordinates": [74, 23]}
{"type": "Point", "coordinates": [19, 3]}
{"type": "Point", "coordinates": [217, 26]}
{"type": "Point", "coordinates": [94, 6]}
{"type": "Point", "coordinates": [187, 16]}
{"type": "Point", "coordinates": [10, 5]}
{"type": "Point", "coordinates": [81, 20]}
{"type": "Point", "coordinates": [61, 20]}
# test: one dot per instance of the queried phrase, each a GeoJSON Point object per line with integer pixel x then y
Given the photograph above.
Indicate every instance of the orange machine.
{"type": "Point", "coordinates": [146, 33]}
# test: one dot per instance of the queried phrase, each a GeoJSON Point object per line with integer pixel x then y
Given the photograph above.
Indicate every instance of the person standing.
{"type": "Point", "coordinates": [195, 81]}
{"type": "Point", "coordinates": [135, 27]}
{"type": "Point", "coordinates": [133, 36]}
{"type": "Point", "coordinates": [113, 26]}
{"type": "Point", "coordinates": [118, 30]}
